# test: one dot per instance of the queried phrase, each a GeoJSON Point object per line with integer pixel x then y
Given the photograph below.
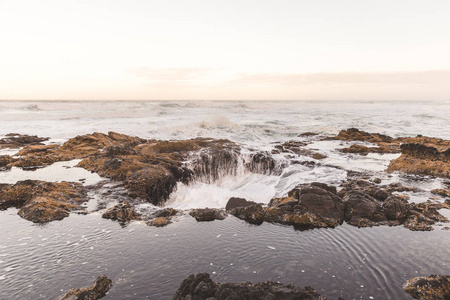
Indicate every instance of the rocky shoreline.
{"type": "Point", "coordinates": [149, 171]}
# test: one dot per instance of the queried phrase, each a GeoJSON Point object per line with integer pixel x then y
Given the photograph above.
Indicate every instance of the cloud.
{"type": "Point", "coordinates": [171, 74]}
{"type": "Point", "coordinates": [347, 79]}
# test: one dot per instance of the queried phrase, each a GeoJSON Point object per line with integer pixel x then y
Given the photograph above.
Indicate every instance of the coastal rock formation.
{"type": "Point", "coordinates": [434, 287]}
{"type": "Point", "coordinates": [208, 214]}
{"type": "Point", "coordinates": [97, 291]}
{"type": "Point", "coordinates": [297, 147]}
{"type": "Point", "coordinates": [201, 287]}
{"type": "Point", "coordinates": [15, 140]}
{"type": "Point", "coordinates": [360, 203]}
{"type": "Point", "coordinates": [41, 201]}
{"type": "Point", "coordinates": [422, 160]}
{"type": "Point", "coordinates": [123, 212]}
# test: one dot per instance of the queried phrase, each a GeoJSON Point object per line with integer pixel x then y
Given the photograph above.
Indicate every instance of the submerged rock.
{"type": "Point", "coordinates": [208, 214]}
{"type": "Point", "coordinates": [434, 287]}
{"type": "Point", "coordinates": [123, 212]}
{"type": "Point", "coordinates": [97, 291]}
{"type": "Point", "coordinates": [201, 287]}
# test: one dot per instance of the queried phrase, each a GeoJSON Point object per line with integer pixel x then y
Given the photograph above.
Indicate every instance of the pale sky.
{"type": "Point", "coordinates": [225, 50]}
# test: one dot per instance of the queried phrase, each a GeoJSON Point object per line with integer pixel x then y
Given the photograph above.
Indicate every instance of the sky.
{"type": "Point", "coordinates": [225, 50]}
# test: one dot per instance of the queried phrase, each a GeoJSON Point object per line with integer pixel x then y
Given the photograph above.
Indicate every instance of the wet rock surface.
{"type": "Point", "coordinates": [359, 203]}
{"type": "Point", "coordinates": [123, 212]}
{"type": "Point", "coordinates": [208, 214]}
{"type": "Point", "coordinates": [97, 291]}
{"type": "Point", "coordinates": [41, 201]}
{"type": "Point", "coordinates": [235, 202]}
{"type": "Point", "coordinates": [201, 287]}
{"type": "Point", "coordinates": [434, 287]}
{"type": "Point", "coordinates": [15, 140]}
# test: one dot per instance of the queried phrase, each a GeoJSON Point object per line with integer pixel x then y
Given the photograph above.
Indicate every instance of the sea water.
{"type": "Point", "coordinates": [43, 261]}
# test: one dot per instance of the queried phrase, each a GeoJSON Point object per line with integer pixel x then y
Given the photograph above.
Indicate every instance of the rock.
{"type": "Point", "coordinates": [353, 134]}
{"type": "Point", "coordinates": [253, 214]}
{"type": "Point", "coordinates": [262, 163]}
{"type": "Point", "coordinates": [159, 222]}
{"type": "Point", "coordinates": [166, 212]}
{"type": "Point", "coordinates": [441, 192]}
{"type": "Point", "coordinates": [364, 150]}
{"type": "Point", "coordinates": [15, 140]}
{"type": "Point", "coordinates": [41, 201]}
{"type": "Point", "coordinates": [235, 202]}
{"type": "Point", "coordinates": [434, 287]}
{"type": "Point", "coordinates": [362, 209]}
{"type": "Point", "coordinates": [307, 134]}
{"type": "Point", "coordinates": [422, 216]}
{"type": "Point", "coordinates": [395, 208]}
{"type": "Point", "coordinates": [422, 160]}
{"type": "Point", "coordinates": [377, 180]}
{"type": "Point", "coordinates": [42, 209]}
{"type": "Point", "coordinates": [123, 212]}
{"type": "Point", "coordinates": [207, 214]}
{"type": "Point", "coordinates": [99, 290]}
{"type": "Point", "coordinates": [201, 287]}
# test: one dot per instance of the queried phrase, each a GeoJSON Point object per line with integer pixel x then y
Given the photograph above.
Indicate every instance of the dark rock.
{"type": "Point", "coordinates": [15, 140]}
{"type": "Point", "coordinates": [201, 287]}
{"type": "Point", "coordinates": [166, 212]}
{"type": "Point", "coordinates": [253, 214]}
{"type": "Point", "coordinates": [395, 208]}
{"type": "Point", "coordinates": [207, 214]}
{"type": "Point", "coordinates": [235, 202]}
{"type": "Point", "coordinates": [377, 180]}
{"type": "Point", "coordinates": [434, 287]}
{"type": "Point", "coordinates": [441, 192]}
{"type": "Point", "coordinates": [123, 212]}
{"type": "Point", "coordinates": [362, 209]}
{"type": "Point", "coordinates": [99, 290]}
{"type": "Point", "coordinates": [420, 150]}
{"type": "Point", "coordinates": [422, 216]}
{"type": "Point", "coordinates": [262, 163]}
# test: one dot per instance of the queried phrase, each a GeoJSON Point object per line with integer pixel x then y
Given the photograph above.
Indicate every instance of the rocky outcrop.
{"type": "Point", "coordinates": [359, 203]}
{"type": "Point", "coordinates": [201, 287]}
{"type": "Point", "coordinates": [354, 134]}
{"type": "Point", "coordinates": [364, 150]}
{"type": "Point", "coordinates": [97, 291]}
{"type": "Point", "coordinates": [434, 287]}
{"type": "Point", "coordinates": [159, 222]}
{"type": "Point", "coordinates": [422, 216]}
{"type": "Point", "coordinates": [422, 160]}
{"type": "Point", "coordinates": [41, 201]}
{"type": "Point", "coordinates": [208, 214]}
{"type": "Point", "coordinates": [15, 140]}
{"type": "Point", "coordinates": [123, 212]}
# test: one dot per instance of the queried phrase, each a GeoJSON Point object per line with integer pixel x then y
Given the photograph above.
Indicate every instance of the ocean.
{"type": "Point", "coordinates": [43, 261]}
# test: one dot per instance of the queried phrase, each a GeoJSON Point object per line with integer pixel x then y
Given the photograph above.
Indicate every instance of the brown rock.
{"type": "Point", "coordinates": [253, 214]}
{"type": "Point", "coordinates": [434, 287]}
{"type": "Point", "coordinates": [207, 214]}
{"type": "Point", "coordinates": [441, 192]}
{"type": "Point", "coordinates": [123, 212]}
{"type": "Point", "coordinates": [159, 222]}
{"type": "Point", "coordinates": [15, 140]}
{"type": "Point", "coordinates": [99, 290]}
